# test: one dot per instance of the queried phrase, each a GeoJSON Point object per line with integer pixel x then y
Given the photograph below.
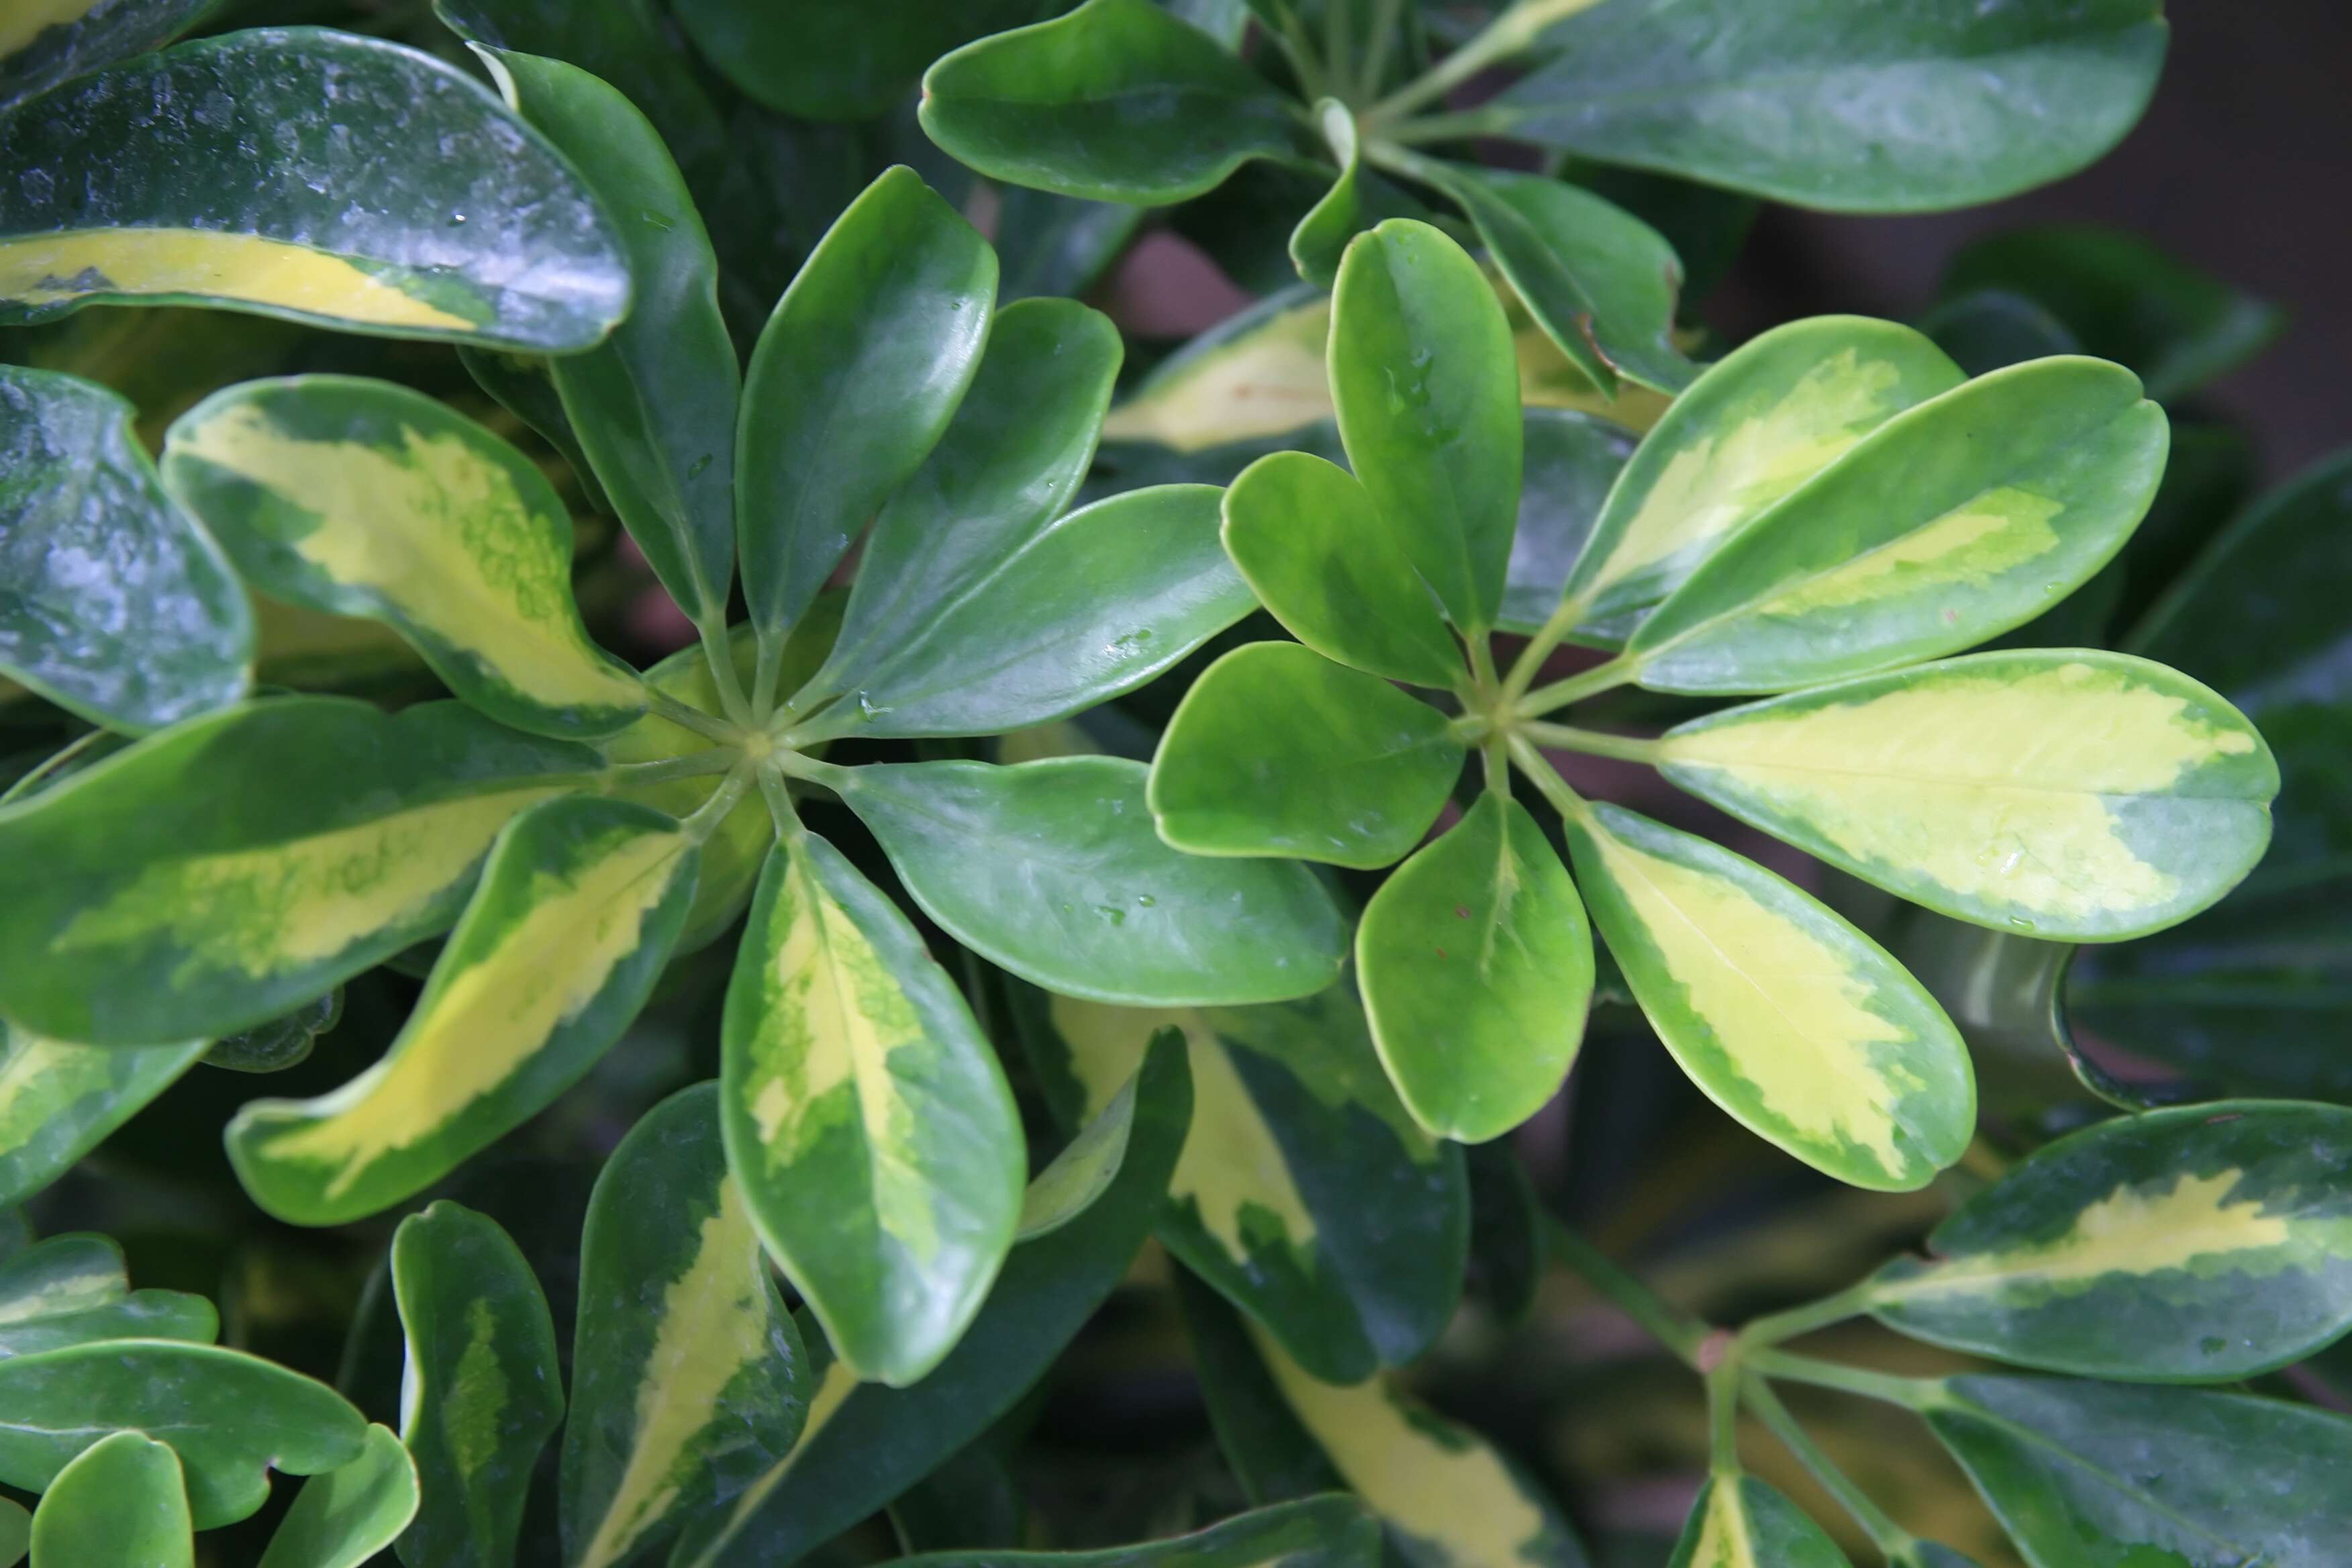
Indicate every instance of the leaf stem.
{"type": "Point", "coordinates": [1910, 1393]}
{"type": "Point", "coordinates": [1723, 1420]}
{"type": "Point", "coordinates": [1508, 34]}
{"type": "Point", "coordinates": [1388, 20]}
{"type": "Point", "coordinates": [1555, 629]}
{"type": "Point", "coordinates": [1458, 127]}
{"type": "Point", "coordinates": [1891, 1539]}
{"type": "Point", "coordinates": [1492, 743]}
{"type": "Point", "coordinates": [832, 776]}
{"type": "Point", "coordinates": [1300, 49]}
{"type": "Point", "coordinates": [64, 754]}
{"type": "Point", "coordinates": [1586, 683]}
{"type": "Point", "coordinates": [693, 766]}
{"type": "Point", "coordinates": [718, 649]}
{"type": "Point", "coordinates": [1546, 779]}
{"type": "Point", "coordinates": [686, 716]}
{"type": "Point", "coordinates": [705, 819]}
{"type": "Point", "coordinates": [778, 797]}
{"type": "Point", "coordinates": [1778, 1327]}
{"type": "Point", "coordinates": [1567, 737]}
{"type": "Point", "coordinates": [1678, 1330]}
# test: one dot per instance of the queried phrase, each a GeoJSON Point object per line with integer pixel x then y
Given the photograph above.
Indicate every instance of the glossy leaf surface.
{"type": "Point", "coordinates": [483, 1392]}
{"type": "Point", "coordinates": [230, 1416]}
{"type": "Point", "coordinates": [1938, 103]}
{"type": "Point", "coordinates": [690, 1376]}
{"type": "Point", "coordinates": [118, 607]}
{"type": "Point", "coordinates": [1739, 1521]}
{"type": "Point", "coordinates": [1116, 101]}
{"type": "Point", "coordinates": [1788, 1017]}
{"type": "Point", "coordinates": [42, 45]}
{"type": "Point", "coordinates": [653, 407]}
{"type": "Point", "coordinates": [72, 1289]}
{"type": "Point", "coordinates": [1315, 1532]}
{"type": "Point", "coordinates": [2061, 792]}
{"type": "Point", "coordinates": [578, 908]}
{"type": "Point", "coordinates": [1421, 381]}
{"type": "Point", "coordinates": [59, 1099]}
{"type": "Point", "coordinates": [297, 212]}
{"type": "Point", "coordinates": [1090, 606]}
{"type": "Point", "coordinates": [1960, 519]}
{"type": "Point", "coordinates": [837, 59]}
{"type": "Point", "coordinates": [2205, 1243]}
{"type": "Point", "coordinates": [2094, 1475]}
{"type": "Point", "coordinates": [1279, 751]}
{"type": "Point", "coordinates": [1478, 971]}
{"type": "Point", "coordinates": [1305, 1193]}
{"type": "Point", "coordinates": [1761, 421]}
{"type": "Point", "coordinates": [343, 1517]}
{"type": "Point", "coordinates": [1082, 1172]}
{"type": "Point", "coordinates": [122, 1501]}
{"type": "Point", "coordinates": [1572, 462]}
{"type": "Point", "coordinates": [361, 498]}
{"type": "Point", "coordinates": [853, 1069]}
{"type": "Point", "coordinates": [855, 378]}
{"type": "Point", "coordinates": [236, 866]}
{"type": "Point", "coordinates": [1336, 570]}
{"type": "Point", "coordinates": [866, 1442]}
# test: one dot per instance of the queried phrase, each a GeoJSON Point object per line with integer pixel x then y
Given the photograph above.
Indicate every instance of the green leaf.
{"type": "Point", "coordinates": [232, 1418]}
{"type": "Point", "coordinates": [1427, 390]}
{"type": "Point", "coordinates": [280, 1043]}
{"type": "Point", "coordinates": [41, 47]}
{"type": "Point", "coordinates": [1337, 571]}
{"type": "Point", "coordinates": [1937, 103]}
{"type": "Point", "coordinates": [866, 1443]}
{"type": "Point", "coordinates": [689, 1378]}
{"type": "Point", "coordinates": [2094, 1475]}
{"type": "Point", "coordinates": [68, 1273]}
{"type": "Point", "coordinates": [60, 1101]}
{"type": "Point", "coordinates": [238, 865]}
{"type": "Point", "coordinates": [837, 59]}
{"type": "Point", "coordinates": [118, 608]}
{"type": "Point", "coordinates": [279, 198]}
{"type": "Point", "coordinates": [1788, 1017]}
{"type": "Point", "coordinates": [1049, 246]}
{"type": "Point", "coordinates": [1007, 465]}
{"type": "Point", "coordinates": [855, 379]}
{"type": "Point", "coordinates": [343, 1517]}
{"type": "Point", "coordinates": [1478, 971]}
{"type": "Point", "coordinates": [579, 905]}
{"type": "Point", "coordinates": [654, 406]}
{"type": "Point", "coordinates": [1052, 870]}
{"type": "Point", "coordinates": [1279, 751]}
{"type": "Point", "coordinates": [15, 1532]}
{"type": "Point", "coordinates": [1601, 281]}
{"type": "Point", "coordinates": [121, 1501]}
{"type": "Point", "coordinates": [1315, 1532]}
{"type": "Point", "coordinates": [1092, 605]}
{"type": "Point", "coordinates": [361, 498]}
{"type": "Point", "coordinates": [1306, 1193]}
{"type": "Point", "coordinates": [1271, 1455]}
{"type": "Point", "coordinates": [1738, 1521]}
{"type": "Point", "coordinates": [1118, 102]}
{"type": "Point", "coordinates": [1759, 423]}
{"type": "Point", "coordinates": [1082, 1172]}
{"type": "Point", "coordinates": [1449, 1499]}
{"type": "Point", "coordinates": [72, 1289]}
{"type": "Point", "coordinates": [865, 1116]}
{"type": "Point", "coordinates": [1507, 1233]}
{"type": "Point", "coordinates": [2060, 792]}
{"type": "Point", "coordinates": [484, 1391]}
{"type": "Point", "coordinates": [1572, 460]}
{"type": "Point", "coordinates": [1356, 199]}
{"type": "Point", "coordinates": [2123, 299]}
{"type": "Point", "coordinates": [1960, 519]}
{"type": "Point", "coordinates": [2203, 1244]}
{"type": "Point", "coordinates": [1990, 328]}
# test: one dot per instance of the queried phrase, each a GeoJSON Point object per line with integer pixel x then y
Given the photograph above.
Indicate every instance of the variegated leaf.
{"type": "Point", "coordinates": [361, 498]}
{"type": "Point", "coordinates": [689, 1378]}
{"type": "Point", "coordinates": [50, 41]}
{"type": "Point", "coordinates": [577, 910]}
{"type": "Point", "coordinates": [58, 1100]}
{"type": "Point", "coordinates": [1794, 1022]}
{"type": "Point", "coordinates": [2069, 794]}
{"type": "Point", "coordinates": [72, 1289]}
{"type": "Point", "coordinates": [1738, 1521]}
{"type": "Point", "coordinates": [1314, 1533]}
{"type": "Point", "coordinates": [865, 1116]}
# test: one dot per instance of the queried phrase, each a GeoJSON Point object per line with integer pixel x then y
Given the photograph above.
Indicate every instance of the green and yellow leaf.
{"type": "Point", "coordinates": [2206, 1243]}
{"type": "Point", "coordinates": [283, 202]}
{"type": "Point", "coordinates": [57, 1100]}
{"type": "Point", "coordinates": [577, 910]}
{"type": "Point", "coordinates": [1448, 1498]}
{"type": "Point", "coordinates": [44, 42]}
{"type": "Point", "coordinates": [866, 1117]}
{"type": "Point", "coordinates": [688, 1376]}
{"type": "Point", "coordinates": [240, 865]}
{"type": "Point", "coordinates": [122, 1501]}
{"type": "Point", "coordinates": [1738, 1521]}
{"type": "Point", "coordinates": [1305, 1193]}
{"type": "Point", "coordinates": [68, 1273]}
{"type": "Point", "coordinates": [1954, 521]}
{"type": "Point", "coordinates": [1759, 424]}
{"type": "Point", "coordinates": [1792, 1021]}
{"type": "Point", "coordinates": [361, 498]}
{"type": "Point", "coordinates": [1313, 1532]}
{"type": "Point", "coordinates": [342, 1518]}
{"type": "Point", "coordinates": [481, 1393]}
{"type": "Point", "coordinates": [2075, 794]}
{"type": "Point", "coordinates": [72, 1289]}
{"type": "Point", "coordinates": [1477, 965]}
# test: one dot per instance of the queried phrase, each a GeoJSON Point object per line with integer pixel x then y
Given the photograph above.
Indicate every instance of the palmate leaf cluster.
{"type": "Point", "coordinates": [1098, 810]}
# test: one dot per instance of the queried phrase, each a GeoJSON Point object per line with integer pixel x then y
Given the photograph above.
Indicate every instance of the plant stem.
{"type": "Point", "coordinates": [1723, 1420]}
{"type": "Point", "coordinates": [1668, 1324]}
{"type": "Point", "coordinates": [1890, 1538]}
{"type": "Point", "coordinates": [686, 716]}
{"type": "Point", "coordinates": [1567, 737]}
{"type": "Point", "coordinates": [1777, 1328]}
{"type": "Point", "coordinates": [719, 649]}
{"type": "Point", "coordinates": [693, 766]}
{"type": "Point", "coordinates": [1388, 19]}
{"type": "Point", "coordinates": [1546, 779]}
{"type": "Point", "coordinates": [1586, 683]}
{"type": "Point", "coordinates": [1445, 126]}
{"type": "Point", "coordinates": [1300, 51]}
{"type": "Point", "coordinates": [51, 764]}
{"type": "Point", "coordinates": [707, 816]}
{"type": "Point", "coordinates": [1506, 36]}
{"type": "Point", "coordinates": [832, 776]}
{"type": "Point", "coordinates": [779, 797]}
{"type": "Point", "coordinates": [1562, 621]}
{"type": "Point", "coordinates": [1910, 1393]}
{"type": "Point", "coordinates": [1492, 745]}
